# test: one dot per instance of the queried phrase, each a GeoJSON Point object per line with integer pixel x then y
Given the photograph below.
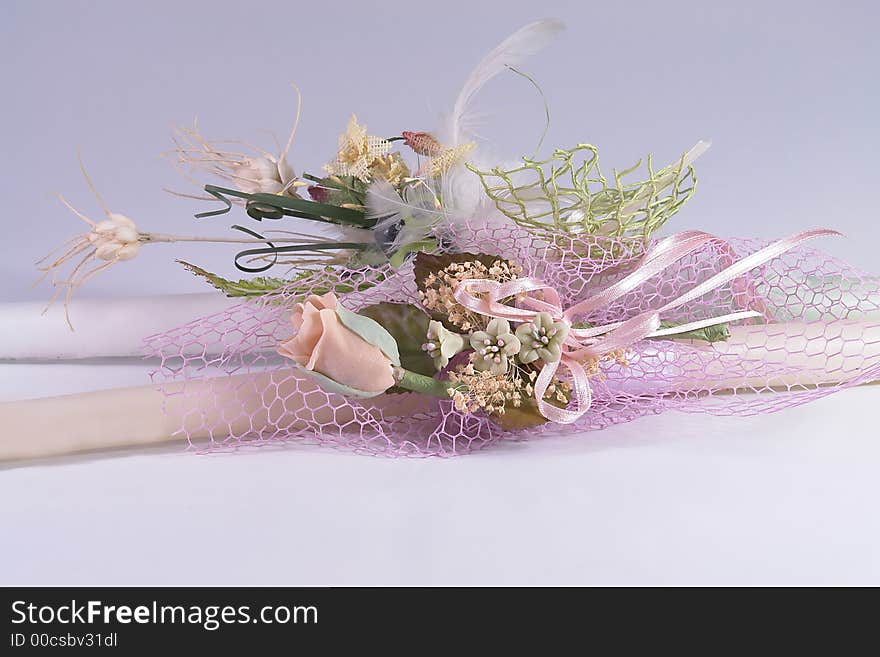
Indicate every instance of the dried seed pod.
{"type": "Point", "coordinates": [423, 143]}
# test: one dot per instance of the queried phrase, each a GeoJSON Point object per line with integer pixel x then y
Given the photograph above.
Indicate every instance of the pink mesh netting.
{"type": "Point", "coordinates": [819, 332]}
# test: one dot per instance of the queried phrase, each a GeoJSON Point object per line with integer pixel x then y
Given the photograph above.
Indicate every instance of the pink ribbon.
{"type": "Point", "coordinates": [590, 344]}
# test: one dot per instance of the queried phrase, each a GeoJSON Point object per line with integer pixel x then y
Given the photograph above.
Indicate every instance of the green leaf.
{"type": "Point", "coordinates": [716, 333]}
{"type": "Point", "coordinates": [274, 206]}
{"type": "Point", "coordinates": [253, 287]}
{"type": "Point", "coordinates": [429, 263]}
{"type": "Point", "coordinates": [425, 264]}
{"type": "Point", "coordinates": [526, 416]}
{"type": "Point", "coordinates": [312, 281]}
{"type": "Point", "coordinates": [332, 211]}
{"type": "Point", "coordinates": [371, 331]}
{"type": "Point", "coordinates": [342, 189]}
{"type": "Point", "coordinates": [329, 385]}
{"type": "Point", "coordinates": [416, 247]}
{"type": "Point", "coordinates": [408, 325]}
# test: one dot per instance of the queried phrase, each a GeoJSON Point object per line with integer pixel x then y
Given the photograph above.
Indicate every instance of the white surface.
{"type": "Point", "coordinates": [788, 498]}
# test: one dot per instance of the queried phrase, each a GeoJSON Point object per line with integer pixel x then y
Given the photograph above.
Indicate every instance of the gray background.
{"type": "Point", "coordinates": [787, 91]}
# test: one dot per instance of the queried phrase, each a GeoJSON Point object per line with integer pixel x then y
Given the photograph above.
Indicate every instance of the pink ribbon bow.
{"type": "Point", "coordinates": [589, 344]}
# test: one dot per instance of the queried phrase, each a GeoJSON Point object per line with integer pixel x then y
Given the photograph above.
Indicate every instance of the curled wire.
{"type": "Point", "coordinates": [271, 250]}
{"type": "Point", "coordinates": [275, 206]}
{"type": "Point", "coordinates": [215, 192]}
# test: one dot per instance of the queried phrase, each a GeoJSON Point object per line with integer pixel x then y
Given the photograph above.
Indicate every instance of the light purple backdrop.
{"type": "Point", "coordinates": [787, 91]}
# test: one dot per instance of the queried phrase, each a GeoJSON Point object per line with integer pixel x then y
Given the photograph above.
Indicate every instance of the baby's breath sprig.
{"type": "Point", "coordinates": [492, 392]}
{"type": "Point", "coordinates": [500, 394]}
{"type": "Point", "coordinates": [438, 276]}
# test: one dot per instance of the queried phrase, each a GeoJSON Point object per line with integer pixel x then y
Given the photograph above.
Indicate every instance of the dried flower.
{"type": "Point", "coordinates": [116, 239]}
{"type": "Point", "coordinates": [357, 152]}
{"type": "Point", "coordinates": [619, 356]}
{"type": "Point", "coordinates": [250, 170]}
{"type": "Point", "coordinates": [245, 167]}
{"type": "Point", "coordinates": [438, 289]}
{"type": "Point", "coordinates": [542, 339]}
{"type": "Point", "coordinates": [422, 143]}
{"type": "Point", "coordinates": [493, 346]}
{"type": "Point", "coordinates": [448, 158]}
{"type": "Point", "coordinates": [109, 241]}
{"type": "Point", "coordinates": [558, 391]}
{"type": "Point", "coordinates": [390, 167]}
{"type": "Point", "coordinates": [318, 194]}
{"type": "Point", "coordinates": [497, 393]}
{"type": "Point", "coordinates": [112, 240]}
{"type": "Point", "coordinates": [485, 390]}
{"type": "Point", "coordinates": [442, 157]}
{"type": "Point", "coordinates": [442, 344]}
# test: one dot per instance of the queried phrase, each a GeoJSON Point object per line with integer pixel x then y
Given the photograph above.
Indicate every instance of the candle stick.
{"type": "Point", "coordinates": [106, 327]}
{"type": "Point", "coordinates": [150, 415]}
{"type": "Point", "coordinates": [241, 404]}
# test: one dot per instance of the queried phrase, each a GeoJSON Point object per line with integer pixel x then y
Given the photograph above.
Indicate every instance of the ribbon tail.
{"type": "Point", "coordinates": [704, 323]}
{"type": "Point", "coordinates": [581, 392]}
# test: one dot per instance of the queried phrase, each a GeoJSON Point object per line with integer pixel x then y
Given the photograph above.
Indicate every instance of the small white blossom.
{"type": "Point", "coordinates": [107, 242]}
{"type": "Point", "coordinates": [249, 170]}
{"type": "Point", "coordinates": [115, 238]}
{"type": "Point", "coordinates": [493, 346]}
{"type": "Point", "coordinates": [542, 339]}
{"type": "Point", "coordinates": [442, 344]}
{"type": "Point", "coordinates": [244, 167]}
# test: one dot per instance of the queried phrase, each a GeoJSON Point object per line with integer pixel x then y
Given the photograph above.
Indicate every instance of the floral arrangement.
{"type": "Point", "coordinates": [382, 199]}
{"type": "Point", "coordinates": [432, 301]}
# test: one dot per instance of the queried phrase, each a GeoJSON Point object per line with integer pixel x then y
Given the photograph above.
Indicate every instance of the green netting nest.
{"type": "Point", "coordinates": [567, 193]}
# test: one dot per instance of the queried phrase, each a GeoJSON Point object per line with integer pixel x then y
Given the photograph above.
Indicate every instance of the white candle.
{"type": "Point", "coordinates": [147, 415]}
{"type": "Point", "coordinates": [240, 404]}
{"type": "Point", "coordinates": [103, 327]}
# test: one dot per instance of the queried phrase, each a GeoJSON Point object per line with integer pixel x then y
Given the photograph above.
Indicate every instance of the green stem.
{"type": "Point", "coordinates": [424, 385]}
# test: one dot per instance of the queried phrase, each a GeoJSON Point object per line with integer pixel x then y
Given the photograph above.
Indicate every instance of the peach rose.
{"type": "Point", "coordinates": [323, 344]}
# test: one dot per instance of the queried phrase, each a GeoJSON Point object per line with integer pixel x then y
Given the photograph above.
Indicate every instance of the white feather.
{"type": "Point", "coordinates": [415, 208]}
{"type": "Point", "coordinates": [515, 49]}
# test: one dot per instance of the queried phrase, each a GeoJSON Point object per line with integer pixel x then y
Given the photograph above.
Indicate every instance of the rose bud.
{"type": "Point", "coordinates": [346, 352]}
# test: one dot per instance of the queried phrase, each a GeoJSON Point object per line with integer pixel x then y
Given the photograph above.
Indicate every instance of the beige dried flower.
{"type": "Point", "coordinates": [441, 157]}
{"type": "Point", "coordinates": [619, 356]}
{"type": "Point", "coordinates": [357, 152]}
{"type": "Point", "coordinates": [390, 167]}
{"type": "Point", "coordinates": [448, 158]}
{"type": "Point", "coordinates": [438, 290]}
{"type": "Point", "coordinates": [474, 390]}
{"type": "Point", "coordinates": [486, 390]}
{"type": "Point", "coordinates": [110, 241]}
{"type": "Point", "coordinates": [245, 167]}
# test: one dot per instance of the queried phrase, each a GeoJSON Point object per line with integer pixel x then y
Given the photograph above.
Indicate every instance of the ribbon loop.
{"type": "Point", "coordinates": [587, 344]}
